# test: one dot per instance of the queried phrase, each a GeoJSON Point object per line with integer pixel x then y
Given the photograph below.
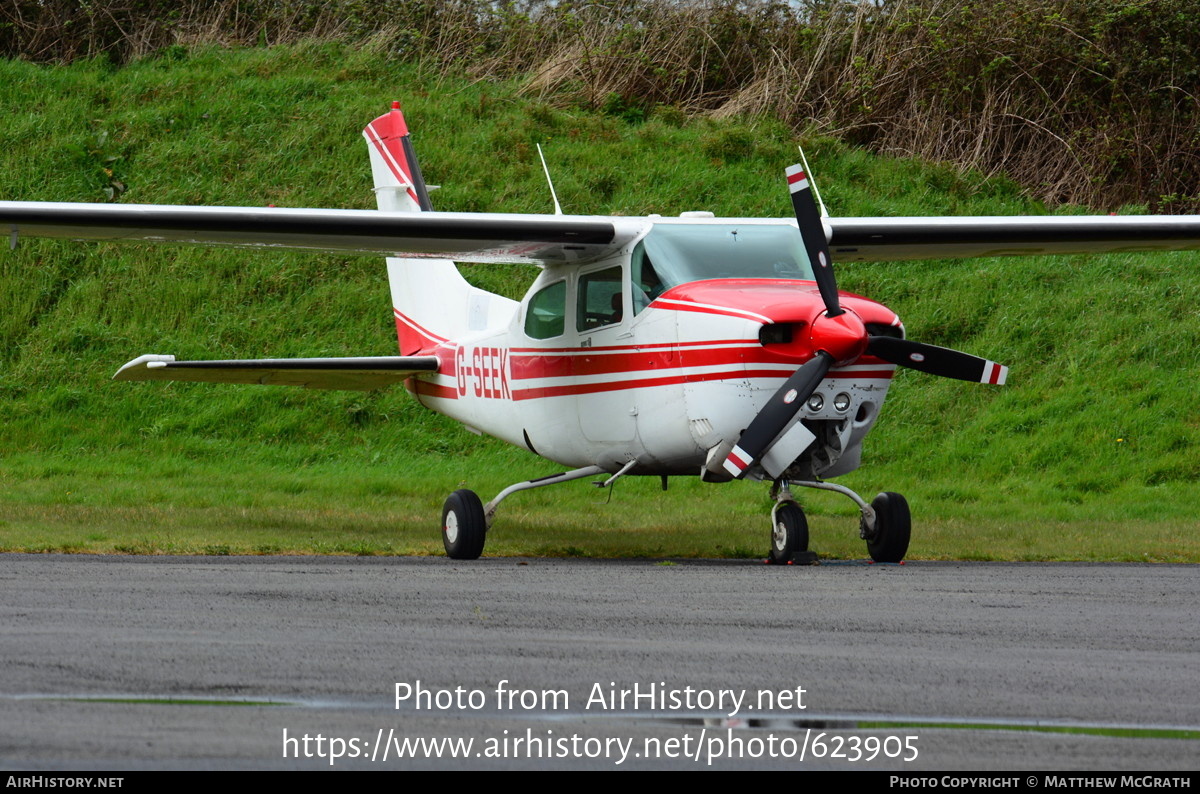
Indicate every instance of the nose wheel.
{"type": "Point", "coordinates": [789, 533]}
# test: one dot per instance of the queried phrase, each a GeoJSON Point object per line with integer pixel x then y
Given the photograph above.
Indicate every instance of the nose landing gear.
{"type": "Point", "coordinates": [885, 524]}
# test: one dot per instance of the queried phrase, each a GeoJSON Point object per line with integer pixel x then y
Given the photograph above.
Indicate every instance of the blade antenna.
{"type": "Point", "coordinates": [550, 182]}
{"type": "Point", "coordinates": [813, 182]}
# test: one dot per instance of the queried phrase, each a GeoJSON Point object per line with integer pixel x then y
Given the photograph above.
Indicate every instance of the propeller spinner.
{"type": "Point", "coordinates": [839, 338]}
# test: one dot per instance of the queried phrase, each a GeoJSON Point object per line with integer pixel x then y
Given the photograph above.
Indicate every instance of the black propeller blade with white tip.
{"type": "Point", "coordinates": [777, 413]}
{"type": "Point", "coordinates": [937, 360]}
{"type": "Point", "coordinates": [808, 217]}
{"type": "Point", "coordinates": [842, 343]}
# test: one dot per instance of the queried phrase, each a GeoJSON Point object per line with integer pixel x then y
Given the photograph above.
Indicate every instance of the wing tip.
{"type": "Point", "coordinates": [139, 368]}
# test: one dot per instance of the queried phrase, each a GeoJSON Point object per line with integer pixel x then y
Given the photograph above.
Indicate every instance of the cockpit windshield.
{"type": "Point", "coordinates": [674, 254]}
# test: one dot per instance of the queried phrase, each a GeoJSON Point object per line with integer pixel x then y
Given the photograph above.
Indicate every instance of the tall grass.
{"type": "Point", "coordinates": [1085, 101]}
{"type": "Point", "coordinates": [1090, 447]}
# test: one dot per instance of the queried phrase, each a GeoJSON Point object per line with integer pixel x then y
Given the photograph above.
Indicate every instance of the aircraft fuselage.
{"type": "Point", "coordinates": [598, 367]}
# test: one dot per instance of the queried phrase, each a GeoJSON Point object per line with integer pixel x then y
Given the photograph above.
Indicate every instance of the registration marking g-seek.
{"type": "Point", "coordinates": [487, 373]}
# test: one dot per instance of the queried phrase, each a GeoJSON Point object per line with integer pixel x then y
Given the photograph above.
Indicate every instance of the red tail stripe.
{"type": "Point", "coordinates": [393, 156]}
{"type": "Point", "coordinates": [413, 324]}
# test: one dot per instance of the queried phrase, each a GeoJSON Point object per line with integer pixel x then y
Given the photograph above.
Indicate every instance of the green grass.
{"type": "Point", "coordinates": [116, 503]}
{"type": "Point", "coordinates": [1089, 453]}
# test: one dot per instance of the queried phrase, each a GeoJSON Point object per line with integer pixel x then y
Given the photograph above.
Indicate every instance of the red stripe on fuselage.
{"type": "Point", "coordinates": [582, 363]}
{"type": "Point", "coordinates": [428, 389]}
{"type": "Point", "coordinates": [670, 380]}
{"type": "Point", "coordinates": [685, 306]}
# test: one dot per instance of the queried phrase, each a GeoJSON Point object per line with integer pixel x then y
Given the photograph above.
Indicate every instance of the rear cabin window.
{"type": "Point", "coordinates": [599, 299]}
{"type": "Point", "coordinates": [546, 316]}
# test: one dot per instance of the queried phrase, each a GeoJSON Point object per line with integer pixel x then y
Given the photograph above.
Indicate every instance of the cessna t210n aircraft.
{"type": "Point", "coordinates": [701, 346]}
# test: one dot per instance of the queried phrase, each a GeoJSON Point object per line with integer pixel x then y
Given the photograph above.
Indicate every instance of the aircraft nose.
{"type": "Point", "coordinates": [844, 337]}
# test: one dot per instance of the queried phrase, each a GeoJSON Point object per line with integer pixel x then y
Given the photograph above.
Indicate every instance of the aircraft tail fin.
{"type": "Point", "coordinates": [399, 186]}
{"type": "Point", "coordinates": [432, 302]}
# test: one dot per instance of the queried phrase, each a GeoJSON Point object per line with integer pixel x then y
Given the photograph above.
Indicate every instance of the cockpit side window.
{"type": "Point", "coordinates": [647, 285]}
{"type": "Point", "coordinates": [547, 312]}
{"type": "Point", "coordinates": [599, 299]}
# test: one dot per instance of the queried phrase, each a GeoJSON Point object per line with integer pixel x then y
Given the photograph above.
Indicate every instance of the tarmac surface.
{"type": "Point", "coordinates": [103, 660]}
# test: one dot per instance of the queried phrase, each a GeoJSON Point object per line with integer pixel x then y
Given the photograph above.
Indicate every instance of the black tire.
{"type": "Point", "coordinates": [893, 528]}
{"type": "Point", "coordinates": [463, 526]}
{"type": "Point", "coordinates": [789, 535]}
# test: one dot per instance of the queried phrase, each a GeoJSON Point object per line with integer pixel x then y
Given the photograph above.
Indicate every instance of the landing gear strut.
{"type": "Point", "coordinates": [885, 524]}
{"type": "Point", "coordinates": [465, 520]}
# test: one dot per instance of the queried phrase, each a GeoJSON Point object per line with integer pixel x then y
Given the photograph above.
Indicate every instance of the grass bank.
{"type": "Point", "coordinates": [1090, 453]}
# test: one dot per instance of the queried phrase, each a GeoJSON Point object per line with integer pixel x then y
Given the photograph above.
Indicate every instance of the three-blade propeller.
{"type": "Point", "coordinates": [839, 338]}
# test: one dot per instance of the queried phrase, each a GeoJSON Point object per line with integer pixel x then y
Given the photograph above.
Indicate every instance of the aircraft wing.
{"type": "Point", "coordinates": [893, 239]}
{"type": "Point", "coordinates": [462, 236]}
{"type": "Point", "coordinates": [362, 374]}
{"type": "Point", "coordinates": [544, 239]}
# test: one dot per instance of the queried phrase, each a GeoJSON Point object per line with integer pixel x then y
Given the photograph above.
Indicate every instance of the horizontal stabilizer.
{"type": "Point", "coordinates": [360, 374]}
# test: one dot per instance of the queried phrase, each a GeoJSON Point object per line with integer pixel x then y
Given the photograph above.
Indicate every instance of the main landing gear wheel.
{"type": "Point", "coordinates": [893, 528]}
{"type": "Point", "coordinates": [463, 526]}
{"type": "Point", "coordinates": [789, 535]}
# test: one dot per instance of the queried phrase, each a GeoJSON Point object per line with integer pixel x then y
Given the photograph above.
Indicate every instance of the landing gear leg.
{"type": "Point", "coordinates": [465, 520]}
{"type": "Point", "coordinates": [885, 524]}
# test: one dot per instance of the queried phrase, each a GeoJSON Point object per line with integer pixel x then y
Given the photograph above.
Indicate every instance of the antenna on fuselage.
{"type": "Point", "coordinates": [550, 182]}
{"type": "Point", "coordinates": [813, 182]}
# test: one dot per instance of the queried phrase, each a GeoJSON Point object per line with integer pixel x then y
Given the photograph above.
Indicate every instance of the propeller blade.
{"type": "Point", "coordinates": [777, 413]}
{"type": "Point", "coordinates": [937, 360]}
{"type": "Point", "coordinates": [808, 217]}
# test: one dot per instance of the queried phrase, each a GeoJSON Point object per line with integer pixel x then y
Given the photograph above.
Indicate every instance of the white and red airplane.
{"type": "Point", "coordinates": [718, 347]}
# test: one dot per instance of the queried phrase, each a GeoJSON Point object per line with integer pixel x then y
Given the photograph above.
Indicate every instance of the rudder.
{"type": "Point", "coordinates": [432, 302]}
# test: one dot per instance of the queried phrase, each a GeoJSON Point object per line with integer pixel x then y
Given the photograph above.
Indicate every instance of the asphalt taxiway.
{"type": "Point", "coordinates": [215, 663]}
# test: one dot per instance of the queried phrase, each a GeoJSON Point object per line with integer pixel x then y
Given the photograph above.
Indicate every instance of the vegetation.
{"type": "Point", "coordinates": [1086, 101]}
{"type": "Point", "coordinates": [1089, 454]}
